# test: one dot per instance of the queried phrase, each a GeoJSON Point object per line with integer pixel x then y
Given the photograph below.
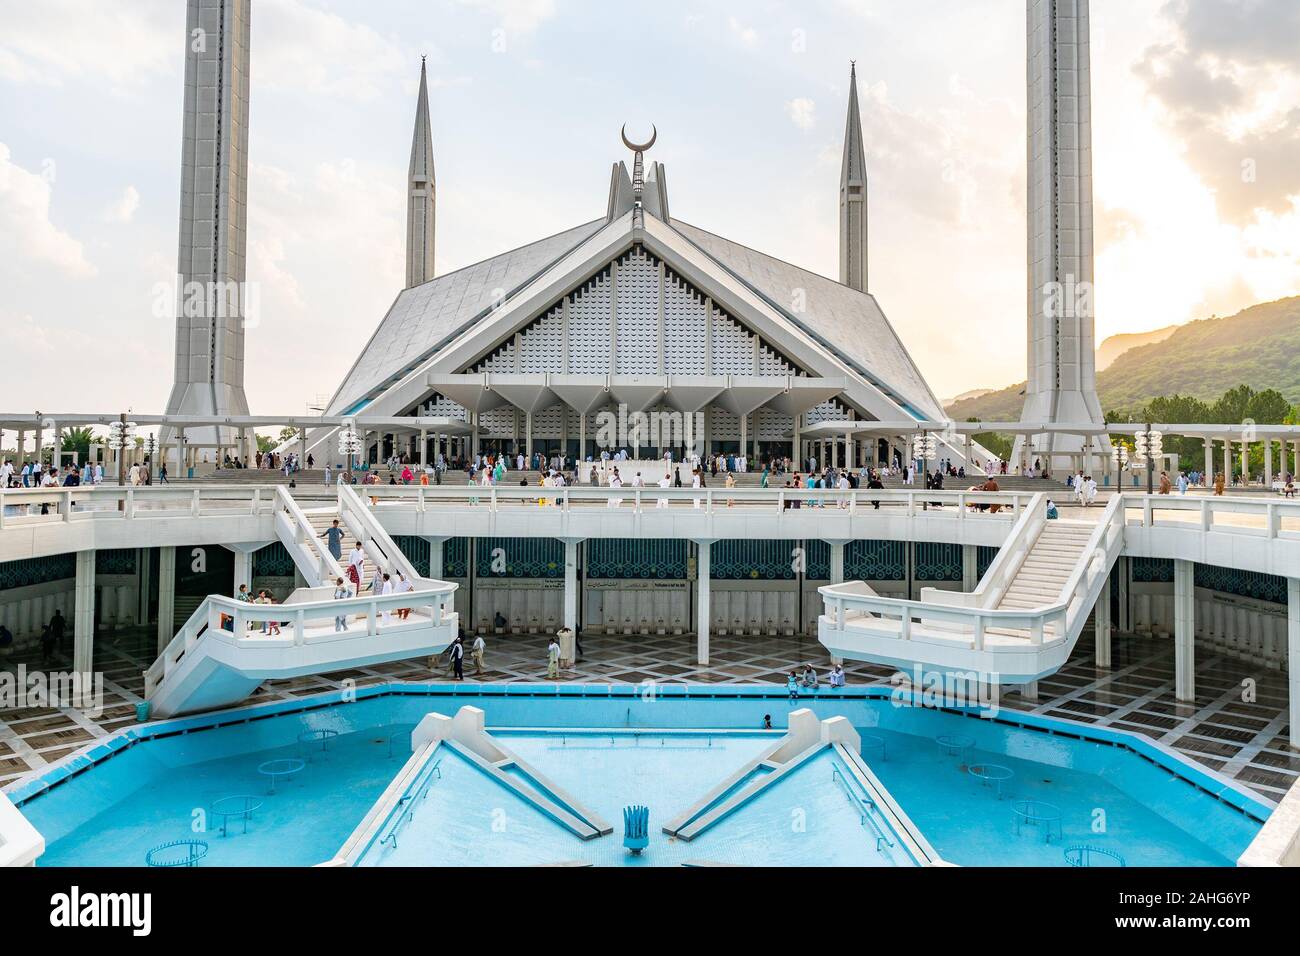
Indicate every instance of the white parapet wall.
{"type": "Point", "coordinates": [20, 843]}
{"type": "Point", "coordinates": [1278, 842]}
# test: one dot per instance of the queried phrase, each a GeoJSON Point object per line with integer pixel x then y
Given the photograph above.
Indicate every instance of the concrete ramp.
{"type": "Point", "coordinates": [806, 737]}
{"type": "Point", "coordinates": [465, 734]}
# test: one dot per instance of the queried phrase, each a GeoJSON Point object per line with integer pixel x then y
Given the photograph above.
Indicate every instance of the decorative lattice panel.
{"type": "Point", "coordinates": [772, 425]}
{"type": "Point", "coordinates": [18, 574]}
{"type": "Point", "coordinates": [739, 560]}
{"type": "Point", "coordinates": [589, 327]}
{"type": "Point", "coordinates": [984, 556]}
{"type": "Point", "coordinates": [441, 407]}
{"type": "Point", "coordinates": [416, 550]}
{"type": "Point", "coordinates": [548, 422]}
{"type": "Point", "coordinates": [455, 558]}
{"type": "Point", "coordinates": [937, 561]}
{"type": "Point", "coordinates": [828, 411]}
{"type": "Point", "coordinates": [662, 559]}
{"type": "Point", "coordinates": [272, 561]}
{"type": "Point", "coordinates": [499, 422]}
{"type": "Point", "coordinates": [638, 314]}
{"type": "Point", "coordinates": [1251, 584]}
{"type": "Point", "coordinates": [769, 363]}
{"type": "Point", "coordinates": [875, 561]}
{"type": "Point", "coordinates": [724, 426]}
{"type": "Point", "coordinates": [541, 346]}
{"type": "Point", "coordinates": [115, 561]}
{"type": "Point", "coordinates": [685, 331]}
{"type": "Point", "coordinates": [519, 558]}
{"type": "Point", "coordinates": [1152, 570]}
{"type": "Point", "coordinates": [733, 347]}
{"type": "Point", "coordinates": [502, 360]}
{"type": "Point", "coordinates": [818, 560]}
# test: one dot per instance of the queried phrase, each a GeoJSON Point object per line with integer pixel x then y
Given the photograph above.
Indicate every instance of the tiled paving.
{"type": "Point", "coordinates": [1237, 729]}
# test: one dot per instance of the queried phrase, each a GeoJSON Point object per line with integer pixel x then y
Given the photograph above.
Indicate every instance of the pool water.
{"type": "Point", "coordinates": [158, 790]}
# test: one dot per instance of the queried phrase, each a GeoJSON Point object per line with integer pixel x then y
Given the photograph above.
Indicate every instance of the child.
{"type": "Point", "coordinates": [792, 685]}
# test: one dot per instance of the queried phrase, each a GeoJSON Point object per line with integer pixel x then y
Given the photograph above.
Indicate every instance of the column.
{"type": "Point", "coordinates": [243, 570]}
{"type": "Point", "coordinates": [837, 561]}
{"type": "Point", "coordinates": [571, 583]}
{"type": "Point", "coordinates": [744, 436]}
{"type": "Point", "coordinates": [794, 443]}
{"type": "Point", "coordinates": [528, 437]}
{"type": "Point", "coordinates": [1209, 462]}
{"type": "Point", "coordinates": [1245, 463]}
{"type": "Point", "coordinates": [166, 596]}
{"type": "Point", "coordinates": [1293, 656]}
{"type": "Point", "coordinates": [1102, 624]}
{"type": "Point", "coordinates": [702, 602]}
{"type": "Point", "coordinates": [436, 551]}
{"type": "Point", "coordinates": [1029, 691]}
{"type": "Point", "coordinates": [1227, 461]}
{"type": "Point", "coordinates": [83, 624]}
{"type": "Point", "coordinates": [1268, 463]}
{"type": "Point", "coordinates": [424, 448]}
{"type": "Point", "coordinates": [970, 577]}
{"type": "Point", "coordinates": [1184, 632]}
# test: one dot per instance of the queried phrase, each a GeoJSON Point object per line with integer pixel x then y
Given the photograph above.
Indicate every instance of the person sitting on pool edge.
{"type": "Point", "coordinates": [836, 676]}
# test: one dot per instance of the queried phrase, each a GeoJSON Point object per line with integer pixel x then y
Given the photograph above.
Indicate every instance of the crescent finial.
{"type": "Point", "coordinates": [654, 134]}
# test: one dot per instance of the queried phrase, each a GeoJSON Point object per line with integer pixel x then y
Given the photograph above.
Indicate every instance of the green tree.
{"type": "Point", "coordinates": [78, 440]}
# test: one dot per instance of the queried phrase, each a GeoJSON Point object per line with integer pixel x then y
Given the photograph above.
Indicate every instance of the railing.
{"type": "Point", "coordinates": [308, 621]}
{"type": "Point", "coordinates": [1011, 556]}
{"type": "Point", "coordinates": [1269, 518]}
{"type": "Point", "coordinates": [306, 546]}
{"type": "Point", "coordinates": [1047, 624]}
{"type": "Point", "coordinates": [1003, 505]}
{"type": "Point", "coordinates": [25, 506]}
{"type": "Point", "coordinates": [405, 808]}
{"type": "Point", "coordinates": [378, 545]}
{"type": "Point", "coordinates": [864, 805]}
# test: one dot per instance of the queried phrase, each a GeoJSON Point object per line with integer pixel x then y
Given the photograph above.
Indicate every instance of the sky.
{"type": "Point", "coordinates": [1196, 162]}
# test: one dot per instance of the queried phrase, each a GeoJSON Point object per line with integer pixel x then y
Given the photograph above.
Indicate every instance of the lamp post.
{"type": "Point", "coordinates": [1148, 446]}
{"type": "Point", "coordinates": [349, 443]}
{"type": "Point", "coordinates": [121, 436]}
{"type": "Point", "coordinates": [150, 446]}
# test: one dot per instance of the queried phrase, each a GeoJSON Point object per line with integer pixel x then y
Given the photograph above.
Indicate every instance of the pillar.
{"type": "Point", "coordinates": [166, 596]}
{"type": "Point", "coordinates": [837, 562]}
{"type": "Point", "coordinates": [424, 448]}
{"type": "Point", "coordinates": [744, 436]}
{"type": "Point", "coordinates": [1293, 656]}
{"type": "Point", "coordinates": [83, 623]}
{"type": "Point", "coordinates": [22, 450]}
{"type": "Point", "coordinates": [970, 577]}
{"type": "Point", "coordinates": [1029, 691]}
{"type": "Point", "coordinates": [528, 437]}
{"type": "Point", "coordinates": [1245, 463]}
{"type": "Point", "coordinates": [436, 551]}
{"type": "Point", "coordinates": [702, 602]}
{"type": "Point", "coordinates": [1101, 624]}
{"type": "Point", "coordinates": [1209, 462]}
{"type": "Point", "coordinates": [1268, 463]}
{"type": "Point", "coordinates": [1184, 632]}
{"type": "Point", "coordinates": [1227, 461]}
{"type": "Point", "coordinates": [571, 583]}
{"type": "Point", "coordinates": [243, 570]}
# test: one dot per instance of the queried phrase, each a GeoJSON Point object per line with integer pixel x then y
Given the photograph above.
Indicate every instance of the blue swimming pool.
{"type": "Point", "coordinates": [158, 783]}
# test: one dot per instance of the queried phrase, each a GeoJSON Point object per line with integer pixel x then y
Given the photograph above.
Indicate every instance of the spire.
{"type": "Point", "coordinates": [421, 198]}
{"type": "Point", "coordinates": [853, 196]}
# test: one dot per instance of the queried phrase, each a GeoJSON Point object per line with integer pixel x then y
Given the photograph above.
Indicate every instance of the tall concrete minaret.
{"type": "Point", "coordinates": [1062, 386]}
{"type": "Point", "coordinates": [421, 193]}
{"type": "Point", "coordinates": [212, 299]}
{"type": "Point", "coordinates": [853, 196]}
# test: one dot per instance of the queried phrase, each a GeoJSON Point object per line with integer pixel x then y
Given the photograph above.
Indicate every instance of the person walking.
{"type": "Point", "coordinates": [553, 659]}
{"type": "Point", "coordinates": [458, 658]}
{"type": "Point", "coordinates": [341, 592]}
{"type": "Point", "coordinates": [335, 535]}
{"type": "Point", "coordinates": [477, 650]}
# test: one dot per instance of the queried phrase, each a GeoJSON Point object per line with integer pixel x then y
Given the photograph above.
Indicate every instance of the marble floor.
{"type": "Point", "coordinates": [1237, 729]}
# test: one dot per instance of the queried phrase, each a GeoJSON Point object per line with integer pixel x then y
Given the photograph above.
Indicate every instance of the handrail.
{"type": "Point", "coordinates": [1007, 562]}
{"type": "Point", "coordinates": [864, 804]}
{"type": "Point", "coordinates": [405, 808]}
{"type": "Point", "coordinates": [376, 541]}
{"type": "Point", "coordinates": [206, 619]}
{"type": "Point", "coordinates": [303, 533]}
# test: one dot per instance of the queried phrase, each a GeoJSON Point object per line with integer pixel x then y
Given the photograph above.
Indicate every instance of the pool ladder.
{"type": "Point", "coordinates": [865, 807]}
{"type": "Point", "coordinates": [406, 805]}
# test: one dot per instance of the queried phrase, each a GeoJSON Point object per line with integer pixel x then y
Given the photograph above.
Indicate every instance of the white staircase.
{"type": "Point", "coordinates": [1018, 625]}
{"type": "Point", "coordinates": [226, 648]}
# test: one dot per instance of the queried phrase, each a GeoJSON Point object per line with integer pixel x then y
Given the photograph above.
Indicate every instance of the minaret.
{"type": "Point", "coordinates": [1062, 375]}
{"type": "Point", "coordinates": [213, 232]}
{"type": "Point", "coordinates": [421, 200]}
{"type": "Point", "coordinates": [853, 197]}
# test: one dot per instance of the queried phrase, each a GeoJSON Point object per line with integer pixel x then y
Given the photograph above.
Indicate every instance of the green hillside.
{"type": "Point", "coordinates": [1259, 346]}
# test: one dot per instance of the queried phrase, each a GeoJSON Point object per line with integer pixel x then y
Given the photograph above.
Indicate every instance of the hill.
{"type": "Point", "coordinates": [1259, 346]}
{"type": "Point", "coordinates": [1116, 345]}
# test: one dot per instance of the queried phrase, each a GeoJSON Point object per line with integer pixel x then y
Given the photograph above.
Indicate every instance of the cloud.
{"type": "Point", "coordinates": [519, 16]}
{"type": "Point", "coordinates": [746, 34]}
{"type": "Point", "coordinates": [802, 112]}
{"type": "Point", "coordinates": [51, 42]}
{"type": "Point", "coordinates": [122, 210]}
{"type": "Point", "coordinates": [1228, 79]}
{"type": "Point", "coordinates": [26, 232]}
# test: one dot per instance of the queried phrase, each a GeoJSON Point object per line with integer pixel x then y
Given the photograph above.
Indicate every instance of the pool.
{"type": "Point", "coordinates": [158, 783]}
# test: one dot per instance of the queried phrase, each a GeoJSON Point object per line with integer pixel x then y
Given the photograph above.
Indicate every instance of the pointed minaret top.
{"type": "Point", "coordinates": [853, 195]}
{"type": "Point", "coordinates": [421, 192]}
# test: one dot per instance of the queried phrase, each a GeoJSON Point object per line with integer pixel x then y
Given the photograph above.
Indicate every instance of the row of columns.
{"type": "Point", "coordinates": [1244, 453]}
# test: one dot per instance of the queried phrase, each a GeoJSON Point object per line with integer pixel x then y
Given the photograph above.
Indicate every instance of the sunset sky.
{"type": "Point", "coordinates": [1196, 160]}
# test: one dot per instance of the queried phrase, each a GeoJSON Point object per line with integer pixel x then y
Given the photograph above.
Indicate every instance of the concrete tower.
{"type": "Point", "coordinates": [1062, 372]}
{"type": "Point", "coordinates": [212, 298]}
{"type": "Point", "coordinates": [853, 197]}
{"type": "Point", "coordinates": [421, 193]}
